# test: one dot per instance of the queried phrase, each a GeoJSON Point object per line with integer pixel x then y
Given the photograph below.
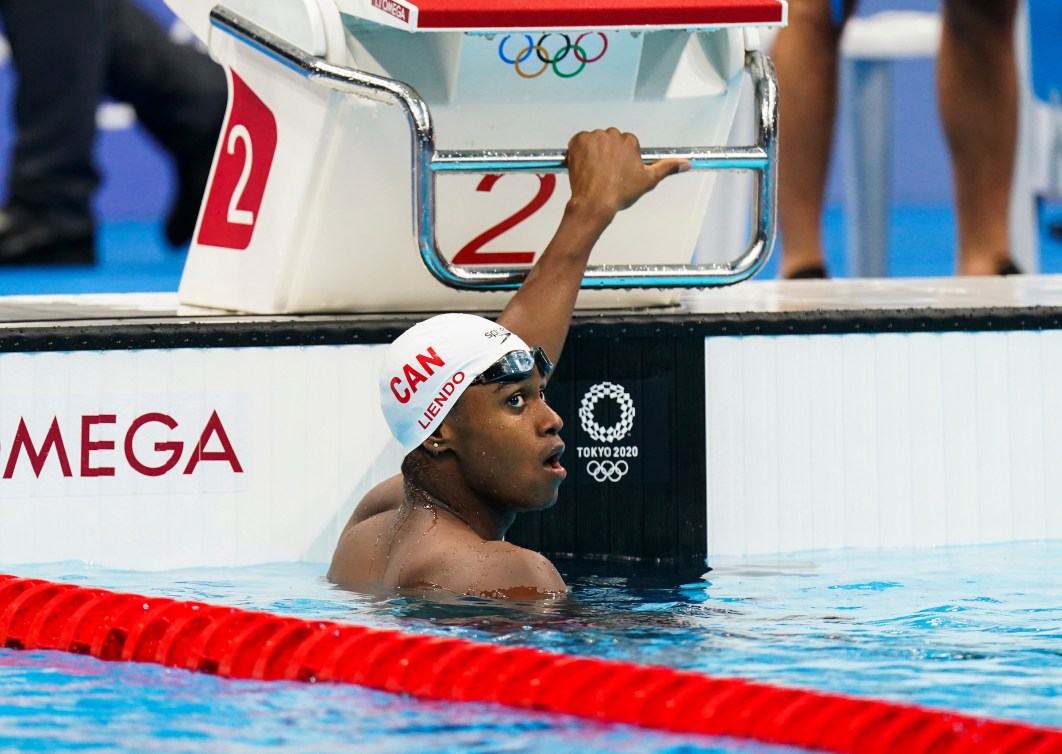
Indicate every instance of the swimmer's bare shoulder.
{"type": "Point", "coordinates": [512, 572]}
{"type": "Point", "coordinates": [384, 497]}
{"type": "Point", "coordinates": [371, 517]}
{"type": "Point", "coordinates": [486, 569]}
{"type": "Point", "coordinates": [454, 559]}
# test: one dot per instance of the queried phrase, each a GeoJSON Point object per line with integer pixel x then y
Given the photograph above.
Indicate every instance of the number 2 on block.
{"type": "Point", "coordinates": [472, 252]}
{"type": "Point", "coordinates": [235, 215]}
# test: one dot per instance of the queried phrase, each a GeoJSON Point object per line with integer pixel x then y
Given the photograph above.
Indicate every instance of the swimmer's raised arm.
{"type": "Point", "coordinates": [464, 400]}
{"type": "Point", "coordinates": [607, 175]}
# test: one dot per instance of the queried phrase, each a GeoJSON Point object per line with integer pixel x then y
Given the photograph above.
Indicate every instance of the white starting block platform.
{"type": "Point", "coordinates": [384, 155]}
{"type": "Point", "coordinates": [772, 417]}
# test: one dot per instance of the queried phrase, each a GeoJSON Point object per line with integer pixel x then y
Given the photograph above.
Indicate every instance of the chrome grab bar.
{"type": "Point", "coordinates": [427, 162]}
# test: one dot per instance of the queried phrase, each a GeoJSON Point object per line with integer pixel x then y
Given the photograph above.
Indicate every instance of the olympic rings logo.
{"type": "Point", "coordinates": [620, 429]}
{"type": "Point", "coordinates": [611, 471]}
{"type": "Point", "coordinates": [574, 65]}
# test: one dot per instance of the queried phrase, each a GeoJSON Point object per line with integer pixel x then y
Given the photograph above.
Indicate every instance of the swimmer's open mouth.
{"type": "Point", "coordinates": [553, 460]}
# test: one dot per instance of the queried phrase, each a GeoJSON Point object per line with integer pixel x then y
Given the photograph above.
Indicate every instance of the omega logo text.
{"type": "Point", "coordinates": [391, 8]}
{"type": "Point", "coordinates": [97, 446]}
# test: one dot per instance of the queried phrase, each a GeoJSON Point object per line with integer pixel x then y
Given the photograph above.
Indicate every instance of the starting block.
{"type": "Point", "coordinates": [381, 155]}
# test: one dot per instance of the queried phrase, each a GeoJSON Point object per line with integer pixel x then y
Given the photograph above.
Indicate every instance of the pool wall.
{"type": "Point", "coordinates": [883, 440]}
{"type": "Point", "coordinates": [176, 457]}
{"type": "Point", "coordinates": [164, 458]}
{"type": "Point", "coordinates": [143, 437]}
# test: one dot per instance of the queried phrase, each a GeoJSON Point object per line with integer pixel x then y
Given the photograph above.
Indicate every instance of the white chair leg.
{"type": "Point", "coordinates": [867, 92]}
{"type": "Point", "coordinates": [1029, 173]}
{"type": "Point", "coordinates": [869, 48]}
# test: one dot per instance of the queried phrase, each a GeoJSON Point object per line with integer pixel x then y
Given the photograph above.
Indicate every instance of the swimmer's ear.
{"type": "Point", "coordinates": [437, 441]}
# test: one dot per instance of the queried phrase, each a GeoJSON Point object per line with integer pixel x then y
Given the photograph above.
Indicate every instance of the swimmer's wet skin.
{"type": "Point", "coordinates": [465, 397]}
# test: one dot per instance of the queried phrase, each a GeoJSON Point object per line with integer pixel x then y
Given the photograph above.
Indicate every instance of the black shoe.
{"type": "Point", "coordinates": [192, 174]}
{"type": "Point", "coordinates": [1007, 267]}
{"type": "Point", "coordinates": [27, 239]}
{"type": "Point", "coordinates": [815, 272]}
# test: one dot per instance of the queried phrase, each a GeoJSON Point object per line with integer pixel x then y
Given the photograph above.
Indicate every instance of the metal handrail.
{"type": "Point", "coordinates": [427, 162]}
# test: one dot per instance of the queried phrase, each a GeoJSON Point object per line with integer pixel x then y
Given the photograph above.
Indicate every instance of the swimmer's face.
{"type": "Point", "coordinates": [506, 438]}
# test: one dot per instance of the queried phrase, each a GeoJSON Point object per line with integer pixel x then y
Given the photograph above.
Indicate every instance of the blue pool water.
{"type": "Point", "coordinates": [972, 629]}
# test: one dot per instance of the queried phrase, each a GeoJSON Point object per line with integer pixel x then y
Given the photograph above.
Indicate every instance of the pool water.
{"type": "Point", "coordinates": [971, 629]}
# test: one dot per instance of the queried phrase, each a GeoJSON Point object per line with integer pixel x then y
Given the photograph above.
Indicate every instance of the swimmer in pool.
{"type": "Point", "coordinates": [465, 398]}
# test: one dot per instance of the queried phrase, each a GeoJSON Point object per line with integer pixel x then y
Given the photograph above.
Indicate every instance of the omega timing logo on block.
{"type": "Point", "coordinates": [609, 461]}
{"type": "Point", "coordinates": [392, 8]}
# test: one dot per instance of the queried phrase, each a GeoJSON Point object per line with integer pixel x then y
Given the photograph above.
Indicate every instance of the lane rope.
{"type": "Point", "coordinates": [235, 643]}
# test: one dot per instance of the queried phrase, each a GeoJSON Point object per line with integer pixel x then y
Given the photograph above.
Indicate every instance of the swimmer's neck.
{"type": "Point", "coordinates": [486, 521]}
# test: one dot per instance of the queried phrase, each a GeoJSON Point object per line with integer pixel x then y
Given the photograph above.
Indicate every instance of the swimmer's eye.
{"type": "Point", "coordinates": [516, 400]}
{"type": "Point", "coordinates": [542, 396]}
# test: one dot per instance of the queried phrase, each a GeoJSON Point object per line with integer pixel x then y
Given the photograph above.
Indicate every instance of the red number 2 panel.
{"type": "Point", "coordinates": [472, 252]}
{"type": "Point", "coordinates": [234, 198]}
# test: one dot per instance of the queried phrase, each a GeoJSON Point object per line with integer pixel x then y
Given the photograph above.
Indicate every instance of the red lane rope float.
{"type": "Point", "coordinates": [236, 643]}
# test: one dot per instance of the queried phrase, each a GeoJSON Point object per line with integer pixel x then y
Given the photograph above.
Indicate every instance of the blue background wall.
{"type": "Point", "coordinates": [137, 180]}
{"type": "Point", "coordinates": [137, 185]}
{"type": "Point", "coordinates": [136, 175]}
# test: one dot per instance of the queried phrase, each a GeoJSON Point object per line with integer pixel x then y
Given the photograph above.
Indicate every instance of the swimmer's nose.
{"type": "Point", "coordinates": [552, 420]}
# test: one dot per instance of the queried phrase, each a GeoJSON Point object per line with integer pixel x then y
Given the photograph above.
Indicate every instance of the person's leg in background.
{"type": "Point", "coordinates": [179, 95]}
{"type": "Point", "coordinates": [66, 54]}
{"type": "Point", "coordinates": [977, 82]}
{"type": "Point", "coordinates": [60, 67]}
{"type": "Point", "coordinates": [805, 57]}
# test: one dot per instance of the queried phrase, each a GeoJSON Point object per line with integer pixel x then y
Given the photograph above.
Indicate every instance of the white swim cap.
{"type": "Point", "coordinates": [430, 365]}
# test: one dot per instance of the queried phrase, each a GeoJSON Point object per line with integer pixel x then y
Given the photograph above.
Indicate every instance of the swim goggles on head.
{"type": "Point", "coordinates": [516, 365]}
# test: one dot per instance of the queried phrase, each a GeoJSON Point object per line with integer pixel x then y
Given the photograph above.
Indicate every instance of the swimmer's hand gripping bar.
{"type": "Point", "coordinates": [427, 162]}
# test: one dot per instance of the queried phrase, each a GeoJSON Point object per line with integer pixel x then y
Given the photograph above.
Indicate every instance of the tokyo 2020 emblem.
{"type": "Point", "coordinates": [609, 462]}
{"type": "Point", "coordinates": [620, 429]}
{"type": "Point", "coordinates": [567, 59]}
